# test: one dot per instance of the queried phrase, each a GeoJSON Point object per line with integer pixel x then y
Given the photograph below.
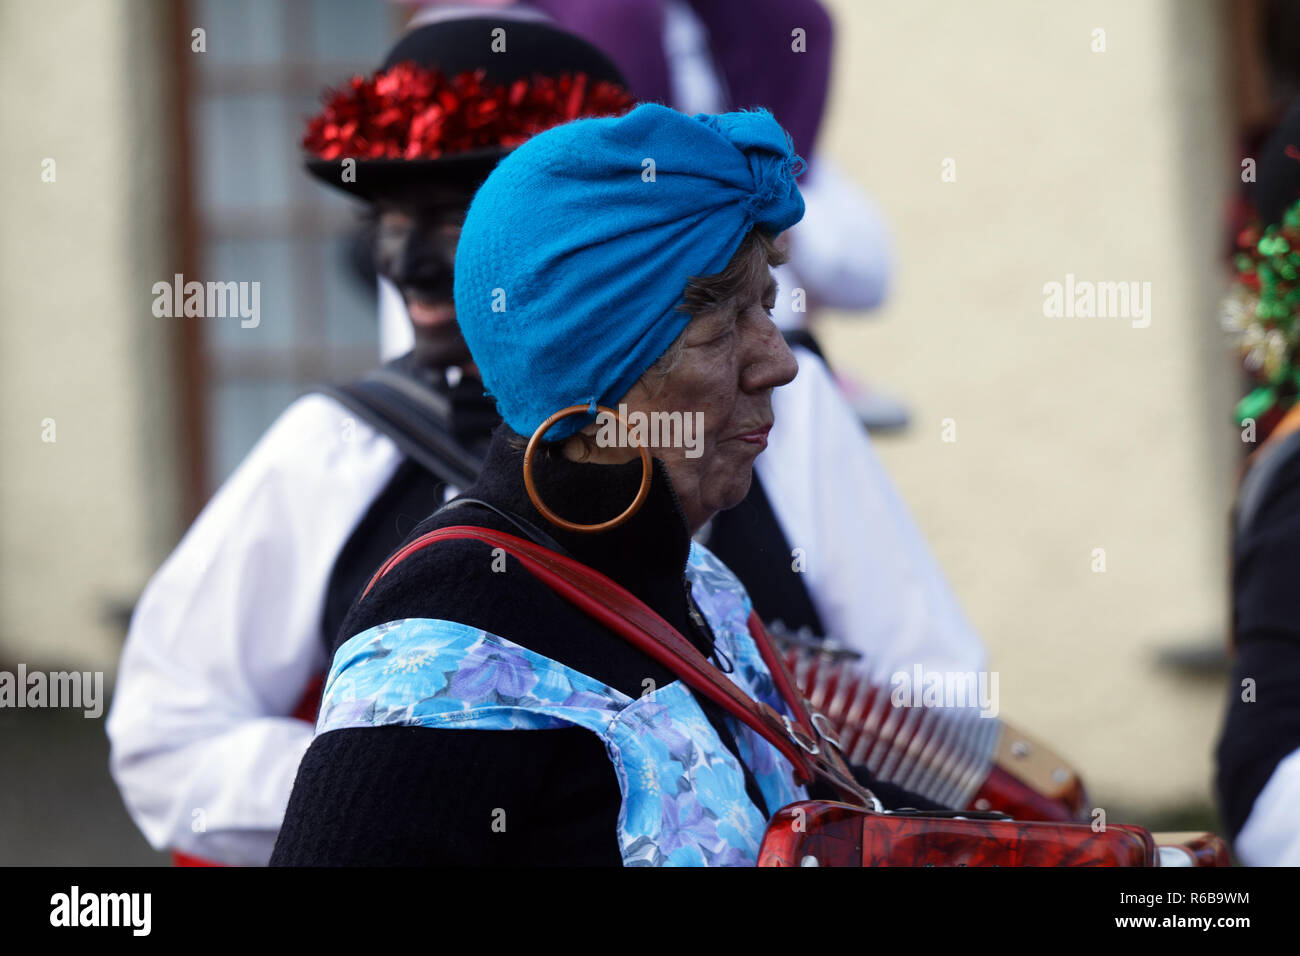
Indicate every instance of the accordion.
{"type": "Point", "coordinates": [1021, 805]}
{"type": "Point", "coordinates": [953, 756]}
{"type": "Point", "coordinates": [821, 833]}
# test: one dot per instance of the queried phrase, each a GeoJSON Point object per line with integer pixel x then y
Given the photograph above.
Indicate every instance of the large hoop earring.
{"type": "Point", "coordinates": [646, 471]}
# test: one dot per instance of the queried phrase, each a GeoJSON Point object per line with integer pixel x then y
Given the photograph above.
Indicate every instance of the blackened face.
{"type": "Point", "coordinates": [415, 249]}
{"type": "Point", "coordinates": [731, 359]}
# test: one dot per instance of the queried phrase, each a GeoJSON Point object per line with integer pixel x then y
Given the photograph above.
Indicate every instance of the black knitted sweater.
{"type": "Point", "coordinates": [422, 796]}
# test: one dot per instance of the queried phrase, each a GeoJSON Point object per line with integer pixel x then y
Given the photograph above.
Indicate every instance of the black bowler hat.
{"type": "Point", "coordinates": [502, 50]}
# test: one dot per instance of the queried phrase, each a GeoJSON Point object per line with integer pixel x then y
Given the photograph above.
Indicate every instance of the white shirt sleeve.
{"type": "Point", "coordinates": [1271, 834]}
{"type": "Point", "coordinates": [226, 638]}
{"type": "Point", "coordinates": [871, 577]}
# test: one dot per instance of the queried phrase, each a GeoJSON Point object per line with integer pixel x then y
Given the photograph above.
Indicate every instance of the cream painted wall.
{"type": "Point", "coordinates": [84, 519]}
{"type": "Point", "coordinates": [1072, 433]}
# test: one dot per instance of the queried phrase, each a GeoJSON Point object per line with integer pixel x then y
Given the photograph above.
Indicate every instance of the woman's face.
{"type": "Point", "coordinates": [721, 385]}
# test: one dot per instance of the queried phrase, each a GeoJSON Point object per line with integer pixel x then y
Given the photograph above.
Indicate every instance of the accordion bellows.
{"type": "Point", "coordinates": [942, 754]}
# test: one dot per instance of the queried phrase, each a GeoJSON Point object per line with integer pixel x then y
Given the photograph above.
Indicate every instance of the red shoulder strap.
{"type": "Point", "coordinates": [626, 615]}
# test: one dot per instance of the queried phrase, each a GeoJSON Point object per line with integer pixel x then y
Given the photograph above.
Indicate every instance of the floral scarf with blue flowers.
{"type": "Point", "coordinates": [684, 799]}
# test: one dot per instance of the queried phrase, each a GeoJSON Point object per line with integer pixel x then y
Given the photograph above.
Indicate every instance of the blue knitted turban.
{"type": "Point", "coordinates": [576, 250]}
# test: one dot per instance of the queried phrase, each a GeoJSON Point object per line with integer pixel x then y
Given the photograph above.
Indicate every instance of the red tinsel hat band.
{"type": "Point", "coordinates": [411, 112]}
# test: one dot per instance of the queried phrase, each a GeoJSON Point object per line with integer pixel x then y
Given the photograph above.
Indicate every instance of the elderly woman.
{"type": "Point", "coordinates": [474, 715]}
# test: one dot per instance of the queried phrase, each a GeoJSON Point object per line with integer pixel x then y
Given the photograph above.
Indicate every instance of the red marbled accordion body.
{"type": "Point", "coordinates": [836, 834]}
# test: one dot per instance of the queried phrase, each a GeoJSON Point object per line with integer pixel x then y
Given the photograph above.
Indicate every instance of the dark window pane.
{"type": "Point", "coordinates": [242, 31]}
{"type": "Point", "coordinates": [268, 262]}
{"type": "Point", "coordinates": [346, 31]}
{"type": "Point", "coordinates": [246, 151]}
{"type": "Point", "coordinates": [350, 304]}
{"type": "Point", "coordinates": [241, 412]}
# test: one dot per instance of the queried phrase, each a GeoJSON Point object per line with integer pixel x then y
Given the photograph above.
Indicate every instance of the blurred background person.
{"type": "Point", "coordinates": [217, 688]}
{"type": "Point", "coordinates": [1265, 38]}
{"type": "Point", "coordinates": [1258, 779]}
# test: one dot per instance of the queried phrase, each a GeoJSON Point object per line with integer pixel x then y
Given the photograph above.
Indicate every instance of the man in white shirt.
{"type": "Point", "coordinates": [235, 628]}
{"type": "Point", "coordinates": [231, 635]}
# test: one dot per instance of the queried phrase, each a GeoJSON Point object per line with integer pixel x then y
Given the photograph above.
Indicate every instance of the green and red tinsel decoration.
{"type": "Point", "coordinates": [1262, 313]}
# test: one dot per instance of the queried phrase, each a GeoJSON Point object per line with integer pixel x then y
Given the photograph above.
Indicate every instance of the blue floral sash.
{"type": "Point", "coordinates": [684, 799]}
